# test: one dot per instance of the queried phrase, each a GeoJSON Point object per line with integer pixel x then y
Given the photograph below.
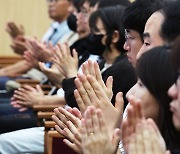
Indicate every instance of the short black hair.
{"type": "Point", "coordinates": [107, 3]}
{"type": "Point", "coordinates": [137, 13]}
{"type": "Point", "coordinates": [171, 25]}
{"type": "Point", "coordinates": [92, 3]}
{"type": "Point", "coordinates": [155, 71]}
{"type": "Point", "coordinates": [111, 18]}
{"type": "Point", "coordinates": [77, 4]}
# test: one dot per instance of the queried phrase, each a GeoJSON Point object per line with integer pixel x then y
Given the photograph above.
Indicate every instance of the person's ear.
{"type": "Point", "coordinates": [115, 37]}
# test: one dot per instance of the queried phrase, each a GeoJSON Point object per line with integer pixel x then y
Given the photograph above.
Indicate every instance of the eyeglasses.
{"type": "Point", "coordinates": [128, 38]}
{"type": "Point", "coordinates": [131, 37]}
{"type": "Point", "coordinates": [84, 12]}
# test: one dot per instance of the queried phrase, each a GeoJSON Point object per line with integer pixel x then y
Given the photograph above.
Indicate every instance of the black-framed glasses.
{"type": "Point", "coordinates": [127, 37]}
{"type": "Point", "coordinates": [131, 37]}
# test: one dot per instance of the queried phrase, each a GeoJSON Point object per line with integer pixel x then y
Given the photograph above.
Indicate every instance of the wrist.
{"type": "Point", "coordinates": [40, 100]}
{"type": "Point", "coordinates": [71, 74]}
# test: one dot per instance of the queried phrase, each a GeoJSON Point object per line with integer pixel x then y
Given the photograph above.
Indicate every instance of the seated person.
{"type": "Point", "coordinates": [60, 23]}
{"type": "Point", "coordinates": [158, 103]}
{"type": "Point", "coordinates": [118, 58]}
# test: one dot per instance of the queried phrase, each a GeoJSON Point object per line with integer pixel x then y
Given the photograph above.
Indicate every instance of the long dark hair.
{"type": "Point", "coordinates": [111, 18]}
{"type": "Point", "coordinates": [155, 71]}
{"type": "Point", "coordinates": [175, 55]}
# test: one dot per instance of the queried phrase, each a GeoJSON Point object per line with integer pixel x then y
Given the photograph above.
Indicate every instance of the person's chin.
{"type": "Point", "coordinates": [52, 13]}
{"type": "Point", "coordinates": [176, 122]}
{"type": "Point", "coordinates": [129, 59]}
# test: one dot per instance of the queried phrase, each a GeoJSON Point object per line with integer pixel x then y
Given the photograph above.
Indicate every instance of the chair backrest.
{"type": "Point", "coordinates": [8, 60]}
{"type": "Point", "coordinates": [55, 144]}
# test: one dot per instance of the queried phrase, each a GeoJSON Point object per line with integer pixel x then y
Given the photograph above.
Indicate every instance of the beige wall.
{"type": "Point", "coordinates": [32, 14]}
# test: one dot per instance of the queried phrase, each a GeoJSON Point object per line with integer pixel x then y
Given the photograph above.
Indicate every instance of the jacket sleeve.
{"type": "Point", "coordinates": [124, 78]}
{"type": "Point", "coordinates": [69, 86]}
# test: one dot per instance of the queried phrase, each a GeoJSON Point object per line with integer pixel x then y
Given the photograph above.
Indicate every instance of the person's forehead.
{"type": "Point", "coordinates": [85, 5]}
{"type": "Point", "coordinates": [131, 31]}
{"type": "Point", "coordinates": [154, 22]}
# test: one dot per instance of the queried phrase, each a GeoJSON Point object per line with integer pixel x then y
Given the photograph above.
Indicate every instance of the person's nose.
{"type": "Point", "coordinates": [126, 46]}
{"type": "Point", "coordinates": [172, 92]}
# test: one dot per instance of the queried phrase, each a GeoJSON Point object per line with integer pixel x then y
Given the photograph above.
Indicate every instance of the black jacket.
{"type": "Point", "coordinates": [123, 79]}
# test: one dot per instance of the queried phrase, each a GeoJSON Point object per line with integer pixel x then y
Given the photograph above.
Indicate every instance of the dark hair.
{"type": "Point", "coordinates": [154, 70]}
{"type": "Point", "coordinates": [91, 2]}
{"type": "Point", "coordinates": [137, 13]}
{"type": "Point", "coordinates": [175, 55]}
{"type": "Point", "coordinates": [107, 3]}
{"type": "Point", "coordinates": [111, 18]}
{"type": "Point", "coordinates": [77, 4]}
{"type": "Point", "coordinates": [171, 24]}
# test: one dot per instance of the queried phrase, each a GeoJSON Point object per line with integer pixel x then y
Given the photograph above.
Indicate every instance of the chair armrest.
{"type": "Point", "coordinates": [54, 133]}
{"type": "Point", "coordinates": [28, 81]}
{"type": "Point", "coordinates": [8, 60]}
{"type": "Point", "coordinates": [49, 124]}
{"type": "Point", "coordinates": [44, 115]}
{"type": "Point", "coordinates": [44, 107]}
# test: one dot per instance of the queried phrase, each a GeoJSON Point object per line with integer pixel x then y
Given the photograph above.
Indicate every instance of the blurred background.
{"type": "Point", "coordinates": [32, 14]}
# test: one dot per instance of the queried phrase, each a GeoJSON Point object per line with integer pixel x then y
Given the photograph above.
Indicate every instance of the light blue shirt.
{"type": "Point", "coordinates": [56, 32]}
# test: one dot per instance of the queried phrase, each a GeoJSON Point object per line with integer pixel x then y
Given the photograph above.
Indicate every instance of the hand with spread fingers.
{"type": "Point", "coordinates": [27, 96]}
{"type": "Point", "coordinates": [134, 115]}
{"type": "Point", "coordinates": [68, 124]}
{"type": "Point", "coordinates": [90, 92]}
{"type": "Point", "coordinates": [95, 136]}
{"type": "Point", "coordinates": [19, 45]}
{"type": "Point", "coordinates": [147, 139]}
{"type": "Point", "coordinates": [92, 68]}
{"type": "Point", "coordinates": [67, 62]}
{"type": "Point", "coordinates": [41, 51]}
{"type": "Point", "coordinates": [130, 126]}
{"type": "Point", "coordinates": [53, 74]}
{"type": "Point", "coordinates": [14, 30]}
{"type": "Point", "coordinates": [30, 59]}
{"type": "Point", "coordinates": [15, 104]}
{"type": "Point", "coordinates": [17, 35]}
